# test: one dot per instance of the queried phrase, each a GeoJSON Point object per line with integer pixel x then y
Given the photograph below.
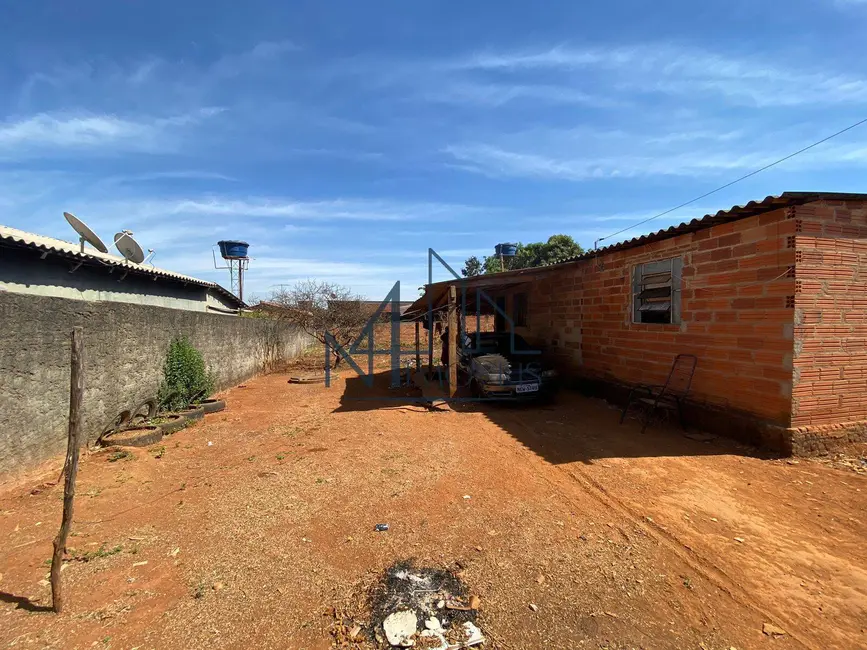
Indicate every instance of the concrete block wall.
{"type": "Point", "coordinates": [737, 316]}
{"type": "Point", "coordinates": [830, 378]}
{"type": "Point", "coordinates": [125, 346]}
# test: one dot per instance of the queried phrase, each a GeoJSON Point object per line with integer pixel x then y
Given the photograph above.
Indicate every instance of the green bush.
{"type": "Point", "coordinates": [185, 378]}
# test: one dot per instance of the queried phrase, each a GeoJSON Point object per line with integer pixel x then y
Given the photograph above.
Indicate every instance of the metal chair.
{"type": "Point", "coordinates": [669, 396]}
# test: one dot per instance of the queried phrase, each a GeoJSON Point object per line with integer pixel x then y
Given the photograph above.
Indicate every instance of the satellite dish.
{"type": "Point", "coordinates": [129, 247]}
{"type": "Point", "coordinates": [85, 234]}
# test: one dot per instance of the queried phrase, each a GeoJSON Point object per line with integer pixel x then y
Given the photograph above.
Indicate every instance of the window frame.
{"type": "Point", "coordinates": [655, 292]}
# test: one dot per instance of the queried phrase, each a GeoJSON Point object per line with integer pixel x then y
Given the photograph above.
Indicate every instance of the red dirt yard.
{"type": "Point", "coordinates": [244, 530]}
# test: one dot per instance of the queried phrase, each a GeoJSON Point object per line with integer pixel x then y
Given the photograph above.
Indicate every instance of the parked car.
{"type": "Point", "coordinates": [505, 366]}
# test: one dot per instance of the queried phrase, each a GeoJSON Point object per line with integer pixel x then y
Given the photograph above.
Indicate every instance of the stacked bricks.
{"type": "Point", "coordinates": [737, 315]}
{"type": "Point", "coordinates": [830, 364]}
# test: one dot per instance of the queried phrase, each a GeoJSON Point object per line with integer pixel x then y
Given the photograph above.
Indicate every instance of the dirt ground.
{"type": "Point", "coordinates": [244, 530]}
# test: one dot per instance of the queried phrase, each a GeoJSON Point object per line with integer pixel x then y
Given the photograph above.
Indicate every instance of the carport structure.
{"type": "Point", "coordinates": [452, 303]}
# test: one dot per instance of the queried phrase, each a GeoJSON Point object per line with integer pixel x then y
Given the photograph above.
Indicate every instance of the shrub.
{"type": "Point", "coordinates": [185, 378]}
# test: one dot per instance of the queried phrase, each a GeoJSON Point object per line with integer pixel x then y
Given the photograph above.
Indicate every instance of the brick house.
{"type": "Point", "coordinates": [771, 297]}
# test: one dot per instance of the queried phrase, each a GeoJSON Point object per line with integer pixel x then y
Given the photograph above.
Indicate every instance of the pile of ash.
{"type": "Point", "coordinates": [425, 608]}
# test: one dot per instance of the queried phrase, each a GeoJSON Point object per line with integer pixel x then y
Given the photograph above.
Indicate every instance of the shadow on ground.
{"type": "Point", "coordinates": [569, 428]}
{"type": "Point", "coordinates": [374, 392]}
{"type": "Point", "coordinates": [22, 602]}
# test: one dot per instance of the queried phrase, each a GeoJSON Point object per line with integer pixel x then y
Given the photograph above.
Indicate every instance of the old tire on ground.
{"type": "Point", "coordinates": [145, 411]}
{"type": "Point", "coordinates": [175, 423]}
{"type": "Point", "coordinates": [138, 437]}
{"type": "Point", "coordinates": [118, 422]}
{"type": "Point", "coordinates": [191, 414]}
{"type": "Point", "coordinates": [213, 405]}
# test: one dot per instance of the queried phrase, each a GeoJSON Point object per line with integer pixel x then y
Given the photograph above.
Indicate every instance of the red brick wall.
{"type": "Point", "coordinates": [737, 315]}
{"type": "Point", "coordinates": [830, 379]}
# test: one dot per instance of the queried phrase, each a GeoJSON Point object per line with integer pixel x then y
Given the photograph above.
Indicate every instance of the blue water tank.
{"type": "Point", "coordinates": [506, 250]}
{"type": "Point", "coordinates": [230, 248]}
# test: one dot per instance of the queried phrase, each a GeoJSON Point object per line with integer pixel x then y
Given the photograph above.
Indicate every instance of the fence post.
{"type": "Point", "coordinates": [417, 347]}
{"type": "Point", "coordinates": [76, 393]}
{"type": "Point", "coordinates": [452, 329]}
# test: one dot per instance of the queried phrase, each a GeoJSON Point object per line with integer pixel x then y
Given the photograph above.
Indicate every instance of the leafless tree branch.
{"type": "Point", "coordinates": [319, 307]}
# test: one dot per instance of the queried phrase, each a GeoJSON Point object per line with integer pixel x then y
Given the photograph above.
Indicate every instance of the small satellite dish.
{"type": "Point", "coordinates": [129, 247]}
{"type": "Point", "coordinates": [85, 234]}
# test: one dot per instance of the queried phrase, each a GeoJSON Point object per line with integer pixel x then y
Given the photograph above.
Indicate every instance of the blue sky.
{"type": "Point", "coordinates": [342, 139]}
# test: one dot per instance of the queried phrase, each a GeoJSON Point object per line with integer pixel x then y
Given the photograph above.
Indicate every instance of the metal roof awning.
{"type": "Point", "coordinates": [471, 291]}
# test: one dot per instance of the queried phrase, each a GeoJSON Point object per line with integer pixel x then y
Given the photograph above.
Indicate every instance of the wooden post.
{"type": "Point", "coordinates": [452, 339]}
{"type": "Point", "coordinates": [76, 392]}
{"type": "Point", "coordinates": [430, 343]}
{"type": "Point", "coordinates": [417, 346]}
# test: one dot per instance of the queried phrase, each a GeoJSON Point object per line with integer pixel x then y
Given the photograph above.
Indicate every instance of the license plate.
{"type": "Point", "coordinates": [527, 388]}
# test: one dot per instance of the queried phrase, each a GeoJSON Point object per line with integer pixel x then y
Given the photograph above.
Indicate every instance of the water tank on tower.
{"type": "Point", "coordinates": [235, 253]}
{"type": "Point", "coordinates": [503, 251]}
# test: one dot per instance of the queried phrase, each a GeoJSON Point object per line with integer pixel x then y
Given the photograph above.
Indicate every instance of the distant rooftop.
{"type": "Point", "coordinates": [59, 247]}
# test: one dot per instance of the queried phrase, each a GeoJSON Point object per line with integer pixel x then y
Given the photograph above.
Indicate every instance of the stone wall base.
{"type": "Point", "coordinates": [823, 439]}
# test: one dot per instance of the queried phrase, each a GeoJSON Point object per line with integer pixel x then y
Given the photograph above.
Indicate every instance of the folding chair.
{"type": "Point", "coordinates": [669, 396]}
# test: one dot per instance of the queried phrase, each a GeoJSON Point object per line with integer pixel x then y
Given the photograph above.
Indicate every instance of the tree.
{"type": "Point", "coordinates": [472, 267]}
{"type": "Point", "coordinates": [492, 264]}
{"type": "Point", "coordinates": [320, 307]}
{"type": "Point", "coordinates": [558, 248]}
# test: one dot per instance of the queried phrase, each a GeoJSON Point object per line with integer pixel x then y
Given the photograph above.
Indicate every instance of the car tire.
{"type": "Point", "coordinates": [174, 425]}
{"type": "Point", "coordinates": [136, 437]}
{"type": "Point", "coordinates": [191, 414]}
{"type": "Point", "coordinates": [145, 411]}
{"type": "Point", "coordinates": [213, 405]}
{"type": "Point", "coordinates": [117, 423]}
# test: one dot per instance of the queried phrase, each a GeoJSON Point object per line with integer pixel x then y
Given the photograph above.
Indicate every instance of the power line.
{"type": "Point", "coordinates": [737, 180]}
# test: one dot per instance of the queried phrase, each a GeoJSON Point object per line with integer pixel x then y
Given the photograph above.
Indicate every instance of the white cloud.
{"type": "Point", "coordinates": [684, 71]}
{"type": "Point", "coordinates": [558, 162]}
{"type": "Point", "coordinates": [343, 154]}
{"type": "Point", "coordinates": [48, 132]}
{"type": "Point", "coordinates": [499, 94]}
{"type": "Point", "coordinates": [693, 136]}
{"type": "Point", "coordinates": [557, 57]}
{"type": "Point", "coordinates": [178, 174]}
{"type": "Point", "coordinates": [330, 210]}
{"type": "Point", "coordinates": [232, 65]}
{"type": "Point", "coordinates": [70, 131]}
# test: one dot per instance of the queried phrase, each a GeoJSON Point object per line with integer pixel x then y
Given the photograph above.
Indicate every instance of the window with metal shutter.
{"type": "Point", "coordinates": [656, 291]}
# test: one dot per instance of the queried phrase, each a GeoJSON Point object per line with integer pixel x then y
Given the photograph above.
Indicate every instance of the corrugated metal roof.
{"type": "Point", "coordinates": [435, 297]}
{"type": "Point", "coordinates": [68, 249]}
{"type": "Point", "coordinates": [768, 204]}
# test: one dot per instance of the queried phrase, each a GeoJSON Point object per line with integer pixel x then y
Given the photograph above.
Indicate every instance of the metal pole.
{"type": "Point", "coordinates": [241, 280]}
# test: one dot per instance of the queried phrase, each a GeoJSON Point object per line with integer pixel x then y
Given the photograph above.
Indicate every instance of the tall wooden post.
{"type": "Point", "coordinates": [417, 346]}
{"type": "Point", "coordinates": [453, 337]}
{"type": "Point", "coordinates": [430, 344]}
{"type": "Point", "coordinates": [76, 393]}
